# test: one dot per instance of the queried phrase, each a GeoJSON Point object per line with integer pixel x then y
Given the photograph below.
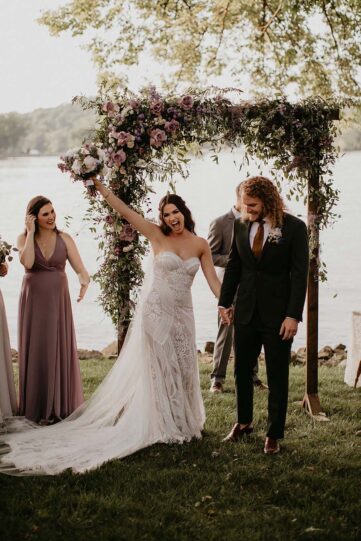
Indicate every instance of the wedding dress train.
{"type": "Point", "coordinates": [152, 393]}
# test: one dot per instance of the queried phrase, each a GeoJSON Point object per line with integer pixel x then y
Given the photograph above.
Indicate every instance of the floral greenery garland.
{"type": "Point", "coordinates": [147, 137]}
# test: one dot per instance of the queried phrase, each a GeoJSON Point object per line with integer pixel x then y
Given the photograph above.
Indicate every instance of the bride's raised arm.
{"type": "Point", "coordinates": [146, 228]}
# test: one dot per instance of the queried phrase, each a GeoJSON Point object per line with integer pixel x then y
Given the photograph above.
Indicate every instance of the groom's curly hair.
{"type": "Point", "coordinates": [174, 199]}
{"type": "Point", "coordinates": [266, 191]}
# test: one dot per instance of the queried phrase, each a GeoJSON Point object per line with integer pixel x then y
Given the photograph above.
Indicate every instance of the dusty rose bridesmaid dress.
{"type": "Point", "coordinates": [49, 375]}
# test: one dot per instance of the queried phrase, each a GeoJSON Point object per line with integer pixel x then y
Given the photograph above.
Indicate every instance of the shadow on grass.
{"type": "Point", "coordinates": [209, 490]}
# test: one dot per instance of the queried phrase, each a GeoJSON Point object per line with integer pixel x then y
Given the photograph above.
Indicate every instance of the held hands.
{"type": "Point", "coordinates": [289, 328]}
{"type": "Point", "coordinates": [30, 223]}
{"type": "Point", "coordinates": [226, 315]}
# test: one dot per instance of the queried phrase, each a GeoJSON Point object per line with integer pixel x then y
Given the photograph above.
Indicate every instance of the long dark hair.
{"type": "Point", "coordinates": [34, 206]}
{"type": "Point", "coordinates": [174, 199]}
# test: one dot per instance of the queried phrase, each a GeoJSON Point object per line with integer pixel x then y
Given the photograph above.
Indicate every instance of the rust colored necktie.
{"type": "Point", "coordinates": [257, 245]}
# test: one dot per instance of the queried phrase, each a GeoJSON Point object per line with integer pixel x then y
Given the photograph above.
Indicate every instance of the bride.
{"type": "Point", "coordinates": [152, 393]}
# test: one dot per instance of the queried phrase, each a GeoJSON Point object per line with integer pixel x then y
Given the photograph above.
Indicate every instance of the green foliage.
{"type": "Point", "coordinates": [312, 47]}
{"type": "Point", "coordinates": [13, 129]}
{"type": "Point", "coordinates": [48, 131]}
{"type": "Point", "coordinates": [148, 137]}
{"type": "Point", "coordinates": [207, 489]}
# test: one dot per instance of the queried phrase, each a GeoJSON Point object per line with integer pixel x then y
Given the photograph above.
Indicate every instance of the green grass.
{"type": "Point", "coordinates": [209, 490]}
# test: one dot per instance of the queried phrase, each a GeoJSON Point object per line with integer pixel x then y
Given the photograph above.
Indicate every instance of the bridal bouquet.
{"type": "Point", "coordinates": [5, 249]}
{"type": "Point", "coordinates": [84, 163]}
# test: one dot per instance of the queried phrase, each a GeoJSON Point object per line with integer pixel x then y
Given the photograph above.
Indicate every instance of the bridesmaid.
{"type": "Point", "coordinates": [8, 405]}
{"type": "Point", "coordinates": [49, 374]}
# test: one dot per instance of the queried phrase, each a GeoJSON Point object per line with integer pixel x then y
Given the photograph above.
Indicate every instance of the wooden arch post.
{"type": "Point", "coordinates": [311, 401]}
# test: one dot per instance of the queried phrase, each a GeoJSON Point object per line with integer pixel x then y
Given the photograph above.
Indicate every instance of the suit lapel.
{"type": "Point", "coordinates": [244, 240]}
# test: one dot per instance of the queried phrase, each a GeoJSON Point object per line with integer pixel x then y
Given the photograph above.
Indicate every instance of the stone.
{"type": "Point", "coordinates": [325, 353]}
{"type": "Point", "coordinates": [85, 354]}
{"type": "Point", "coordinates": [335, 360]}
{"type": "Point", "coordinates": [293, 358]}
{"type": "Point", "coordinates": [300, 356]}
{"type": "Point", "coordinates": [261, 358]}
{"type": "Point", "coordinates": [111, 350]}
{"type": "Point", "coordinates": [209, 347]}
{"type": "Point", "coordinates": [14, 355]}
{"type": "Point", "coordinates": [341, 347]}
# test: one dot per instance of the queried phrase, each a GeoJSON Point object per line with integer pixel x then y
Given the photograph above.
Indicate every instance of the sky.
{"type": "Point", "coordinates": [37, 69]}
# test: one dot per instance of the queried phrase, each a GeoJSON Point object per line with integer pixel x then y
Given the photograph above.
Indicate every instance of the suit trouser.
{"type": "Point", "coordinates": [248, 343]}
{"type": "Point", "coordinates": [222, 352]}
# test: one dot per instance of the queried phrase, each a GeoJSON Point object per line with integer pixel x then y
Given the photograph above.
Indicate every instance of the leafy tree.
{"type": "Point", "coordinates": [13, 127]}
{"type": "Point", "coordinates": [274, 46]}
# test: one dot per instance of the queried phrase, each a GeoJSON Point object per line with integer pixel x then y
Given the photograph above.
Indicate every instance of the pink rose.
{"type": "Point", "coordinates": [124, 138]}
{"type": "Point", "coordinates": [118, 157]}
{"type": "Point", "coordinates": [134, 104]}
{"type": "Point", "coordinates": [109, 219]}
{"type": "Point", "coordinates": [157, 137]}
{"type": "Point", "coordinates": [156, 107]}
{"type": "Point", "coordinates": [186, 102]}
{"type": "Point", "coordinates": [128, 233]}
{"type": "Point", "coordinates": [110, 108]}
{"type": "Point", "coordinates": [172, 126]}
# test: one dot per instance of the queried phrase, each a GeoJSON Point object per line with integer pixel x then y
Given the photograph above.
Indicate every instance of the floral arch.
{"type": "Point", "coordinates": [147, 137]}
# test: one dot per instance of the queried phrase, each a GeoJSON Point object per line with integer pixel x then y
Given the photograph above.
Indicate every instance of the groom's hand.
{"type": "Point", "coordinates": [226, 315]}
{"type": "Point", "coordinates": [289, 328]}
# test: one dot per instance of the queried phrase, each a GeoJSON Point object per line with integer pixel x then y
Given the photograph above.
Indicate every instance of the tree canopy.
{"type": "Point", "coordinates": [275, 47]}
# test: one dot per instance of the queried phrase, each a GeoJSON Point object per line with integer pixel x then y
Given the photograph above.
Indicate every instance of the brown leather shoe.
{"type": "Point", "coordinates": [260, 385]}
{"type": "Point", "coordinates": [237, 432]}
{"type": "Point", "coordinates": [271, 446]}
{"type": "Point", "coordinates": [216, 387]}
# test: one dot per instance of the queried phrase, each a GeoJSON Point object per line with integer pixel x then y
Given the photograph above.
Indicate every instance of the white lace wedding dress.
{"type": "Point", "coordinates": [152, 393]}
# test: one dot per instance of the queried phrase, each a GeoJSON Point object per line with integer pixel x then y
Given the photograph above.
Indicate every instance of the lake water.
{"type": "Point", "coordinates": [209, 191]}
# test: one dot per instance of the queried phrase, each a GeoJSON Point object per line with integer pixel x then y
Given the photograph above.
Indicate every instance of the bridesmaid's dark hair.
{"type": "Point", "coordinates": [34, 206]}
{"type": "Point", "coordinates": [174, 199]}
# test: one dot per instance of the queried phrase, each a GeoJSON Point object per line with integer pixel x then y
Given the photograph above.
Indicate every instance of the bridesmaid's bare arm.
{"type": "Point", "coordinates": [77, 264]}
{"type": "Point", "coordinates": [26, 247]}
{"type": "Point", "coordinates": [148, 229]}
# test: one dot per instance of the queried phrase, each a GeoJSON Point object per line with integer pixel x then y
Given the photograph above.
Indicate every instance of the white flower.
{"type": "Point", "coordinates": [141, 164]}
{"type": "Point", "coordinates": [76, 167]}
{"type": "Point", "coordinates": [101, 154]}
{"type": "Point", "coordinates": [71, 153]}
{"type": "Point", "coordinates": [128, 248]}
{"type": "Point", "coordinates": [90, 164]}
{"type": "Point", "coordinates": [275, 235]}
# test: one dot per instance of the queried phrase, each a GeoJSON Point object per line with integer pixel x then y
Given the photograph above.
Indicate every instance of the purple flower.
{"type": "Point", "coordinates": [172, 126]}
{"type": "Point", "coordinates": [128, 233]}
{"type": "Point", "coordinates": [156, 107]}
{"type": "Point", "coordinates": [157, 137]}
{"type": "Point", "coordinates": [186, 102]}
{"type": "Point", "coordinates": [109, 219]}
{"type": "Point", "coordinates": [141, 116]}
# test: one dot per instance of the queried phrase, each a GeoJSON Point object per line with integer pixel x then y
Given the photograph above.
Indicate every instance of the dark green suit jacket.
{"type": "Point", "coordinates": [275, 284]}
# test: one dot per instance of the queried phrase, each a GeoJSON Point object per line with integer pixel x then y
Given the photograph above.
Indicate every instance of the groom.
{"type": "Point", "coordinates": [268, 268]}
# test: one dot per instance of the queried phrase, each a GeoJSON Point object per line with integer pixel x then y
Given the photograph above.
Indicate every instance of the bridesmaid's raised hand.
{"type": "Point", "coordinates": [30, 223]}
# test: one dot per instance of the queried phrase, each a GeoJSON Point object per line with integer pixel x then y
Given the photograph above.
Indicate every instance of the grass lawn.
{"type": "Point", "coordinates": [209, 490]}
